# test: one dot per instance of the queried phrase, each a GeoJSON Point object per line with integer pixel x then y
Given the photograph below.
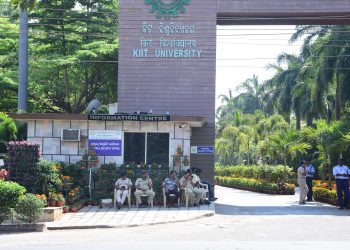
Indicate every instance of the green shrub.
{"type": "Point", "coordinates": [9, 195]}
{"type": "Point", "coordinates": [256, 185]}
{"type": "Point", "coordinates": [48, 176]}
{"type": "Point", "coordinates": [29, 208]}
{"type": "Point", "coordinates": [269, 173]}
{"type": "Point", "coordinates": [325, 195]}
{"type": "Point", "coordinates": [23, 158]}
{"type": "Point", "coordinates": [8, 131]}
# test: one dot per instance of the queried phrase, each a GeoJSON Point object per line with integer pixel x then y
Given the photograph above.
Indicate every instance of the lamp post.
{"type": "Point", "coordinates": [88, 161]}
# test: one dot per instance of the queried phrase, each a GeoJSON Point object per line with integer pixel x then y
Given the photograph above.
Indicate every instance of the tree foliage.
{"type": "Point", "coordinates": [73, 54]}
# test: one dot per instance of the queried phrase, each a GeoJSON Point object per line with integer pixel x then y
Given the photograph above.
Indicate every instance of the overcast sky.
{"type": "Point", "coordinates": [245, 50]}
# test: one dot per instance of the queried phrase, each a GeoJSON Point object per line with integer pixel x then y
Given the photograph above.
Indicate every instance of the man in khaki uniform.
{"type": "Point", "coordinates": [143, 186]}
{"type": "Point", "coordinates": [194, 194]}
{"type": "Point", "coordinates": [302, 183]}
{"type": "Point", "coordinates": [195, 182]}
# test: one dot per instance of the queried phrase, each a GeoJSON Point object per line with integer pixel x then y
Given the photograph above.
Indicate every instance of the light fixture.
{"type": "Point", "coordinates": [182, 125]}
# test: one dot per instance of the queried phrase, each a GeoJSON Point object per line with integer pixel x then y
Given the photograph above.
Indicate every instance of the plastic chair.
{"type": "Point", "coordinates": [128, 197]}
{"type": "Point", "coordinates": [164, 198]}
{"type": "Point", "coordinates": [143, 195]}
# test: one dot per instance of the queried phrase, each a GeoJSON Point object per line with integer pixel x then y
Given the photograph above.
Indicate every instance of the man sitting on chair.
{"type": "Point", "coordinates": [122, 185]}
{"type": "Point", "coordinates": [171, 186]}
{"type": "Point", "coordinates": [143, 187]}
{"type": "Point", "coordinates": [194, 194]}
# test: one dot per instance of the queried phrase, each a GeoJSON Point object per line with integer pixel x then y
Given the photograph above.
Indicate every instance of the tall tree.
{"type": "Point", "coordinates": [24, 6]}
{"type": "Point", "coordinates": [284, 82]}
{"type": "Point", "coordinates": [251, 97]}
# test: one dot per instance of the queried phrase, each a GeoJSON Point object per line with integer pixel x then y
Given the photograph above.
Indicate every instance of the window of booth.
{"type": "Point", "coordinates": [146, 147]}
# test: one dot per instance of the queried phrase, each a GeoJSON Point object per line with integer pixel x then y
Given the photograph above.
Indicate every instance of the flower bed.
{"type": "Point", "coordinates": [256, 185]}
{"type": "Point", "coordinates": [325, 195]}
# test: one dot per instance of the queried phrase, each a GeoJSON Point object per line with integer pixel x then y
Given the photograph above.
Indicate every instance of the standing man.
{"type": "Point", "coordinates": [171, 186]}
{"type": "Point", "coordinates": [310, 171]}
{"type": "Point", "coordinates": [302, 183]}
{"type": "Point", "coordinates": [122, 185]}
{"type": "Point", "coordinates": [342, 173]}
{"type": "Point", "coordinates": [143, 186]}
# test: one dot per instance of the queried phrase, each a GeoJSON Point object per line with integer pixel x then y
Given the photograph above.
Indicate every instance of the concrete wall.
{"type": "Point", "coordinates": [181, 86]}
{"type": "Point", "coordinates": [47, 133]}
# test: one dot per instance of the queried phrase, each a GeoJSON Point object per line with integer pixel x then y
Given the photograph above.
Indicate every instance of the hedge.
{"type": "Point", "coordinates": [23, 159]}
{"type": "Point", "coordinates": [268, 173]}
{"type": "Point", "coordinates": [256, 185]}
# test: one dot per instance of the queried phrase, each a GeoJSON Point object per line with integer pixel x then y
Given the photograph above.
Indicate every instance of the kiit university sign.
{"type": "Point", "coordinates": [161, 40]}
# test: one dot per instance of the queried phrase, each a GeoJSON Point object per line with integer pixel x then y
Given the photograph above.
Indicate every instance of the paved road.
{"type": "Point", "coordinates": [243, 220]}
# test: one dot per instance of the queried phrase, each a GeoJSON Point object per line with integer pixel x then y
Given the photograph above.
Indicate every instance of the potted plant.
{"type": "Point", "coordinates": [52, 199]}
{"type": "Point", "coordinates": [65, 209]}
{"type": "Point", "coordinates": [74, 208]}
{"type": "Point", "coordinates": [178, 155]}
{"type": "Point", "coordinates": [186, 160]}
{"type": "Point", "coordinates": [60, 200]}
{"type": "Point", "coordinates": [43, 198]}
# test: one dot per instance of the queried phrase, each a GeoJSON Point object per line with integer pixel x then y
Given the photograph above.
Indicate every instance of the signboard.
{"type": "Point", "coordinates": [129, 117]}
{"type": "Point", "coordinates": [106, 142]}
{"type": "Point", "coordinates": [202, 149]}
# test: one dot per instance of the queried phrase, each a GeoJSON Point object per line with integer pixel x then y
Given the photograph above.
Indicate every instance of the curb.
{"type": "Point", "coordinates": [209, 214]}
{"type": "Point", "coordinates": [22, 228]}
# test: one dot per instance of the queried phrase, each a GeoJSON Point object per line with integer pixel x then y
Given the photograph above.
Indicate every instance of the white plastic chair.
{"type": "Point", "coordinates": [128, 197]}
{"type": "Point", "coordinates": [164, 198]}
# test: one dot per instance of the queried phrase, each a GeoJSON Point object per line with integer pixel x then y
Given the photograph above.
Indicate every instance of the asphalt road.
{"type": "Point", "coordinates": [243, 220]}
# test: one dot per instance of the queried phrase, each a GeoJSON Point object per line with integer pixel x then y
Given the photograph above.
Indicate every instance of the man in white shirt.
{"type": "Point", "coordinates": [342, 173]}
{"type": "Point", "coordinates": [310, 171]}
{"type": "Point", "coordinates": [122, 185]}
{"type": "Point", "coordinates": [302, 183]}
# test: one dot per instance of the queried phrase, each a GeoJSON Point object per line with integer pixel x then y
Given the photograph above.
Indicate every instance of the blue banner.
{"type": "Point", "coordinates": [202, 150]}
{"type": "Point", "coordinates": [106, 147]}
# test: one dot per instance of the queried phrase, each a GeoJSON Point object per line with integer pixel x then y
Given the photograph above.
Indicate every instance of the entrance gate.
{"type": "Point", "coordinates": [167, 53]}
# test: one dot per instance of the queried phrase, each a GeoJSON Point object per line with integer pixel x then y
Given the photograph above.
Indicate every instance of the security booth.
{"type": "Point", "coordinates": [118, 138]}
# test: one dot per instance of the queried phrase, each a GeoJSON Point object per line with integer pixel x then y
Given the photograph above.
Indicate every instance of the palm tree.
{"type": "Point", "coordinates": [224, 113]}
{"type": "Point", "coordinates": [24, 6]}
{"type": "Point", "coordinates": [251, 99]}
{"type": "Point", "coordinates": [283, 84]}
{"type": "Point", "coordinates": [329, 53]}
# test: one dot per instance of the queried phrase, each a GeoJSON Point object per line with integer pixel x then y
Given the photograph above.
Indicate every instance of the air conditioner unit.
{"type": "Point", "coordinates": [70, 135]}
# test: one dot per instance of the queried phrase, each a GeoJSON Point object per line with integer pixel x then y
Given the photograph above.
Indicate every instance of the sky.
{"type": "Point", "coordinates": [243, 51]}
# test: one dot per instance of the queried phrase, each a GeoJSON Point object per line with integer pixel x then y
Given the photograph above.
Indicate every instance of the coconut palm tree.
{"type": "Point", "coordinates": [283, 84]}
{"type": "Point", "coordinates": [251, 97]}
{"type": "Point", "coordinates": [330, 54]}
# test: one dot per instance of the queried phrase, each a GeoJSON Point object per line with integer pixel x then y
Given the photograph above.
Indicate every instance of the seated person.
{"type": "Point", "coordinates": [198, 171]}
{"type": "Point", "coordinates": [195, 183]}
{"type": "Point", "coordinates": [143, 186]}
{"type": "Point", "coordinates": [195, 195]}
{"type": "Point", "coordinates": [171, 186]}
{"type": "Point", "coordinates": [122, 185]}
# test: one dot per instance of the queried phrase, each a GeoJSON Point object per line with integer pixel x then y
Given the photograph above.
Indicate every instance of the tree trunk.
{"type": "Point", "coordinates": [23, 61]}
{"type": "Point", "coordinates": [309, 120]}
{"type": "Point", "coordinates": [297, 118]}
{"type": "Point", "coordinates": [337, 102]}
